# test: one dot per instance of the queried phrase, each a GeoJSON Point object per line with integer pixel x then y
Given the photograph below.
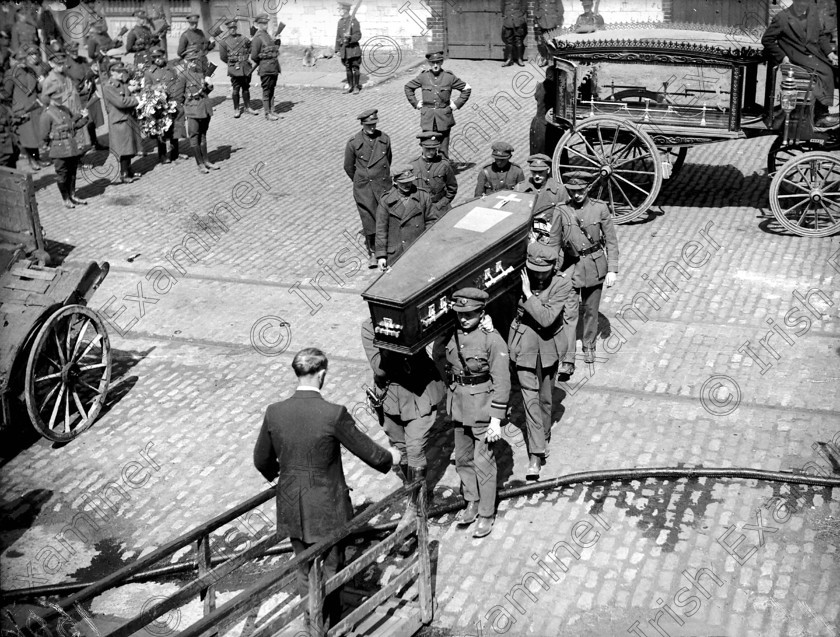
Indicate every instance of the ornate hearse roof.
{"type": "Point", "coordinates": [659, 42]}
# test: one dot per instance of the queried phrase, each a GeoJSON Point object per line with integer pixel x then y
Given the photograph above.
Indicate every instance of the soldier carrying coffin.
{"type": "Point", "coordinates": [435, 174]}
{"type": "Point", "coordinates": [499, 174]}
{"type": "Point", "coordinates": [549, 193]}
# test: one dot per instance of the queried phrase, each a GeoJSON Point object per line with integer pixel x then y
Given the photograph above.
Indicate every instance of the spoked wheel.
{"type": "Point", "coordinates": [621, 158]}
{"type": "Point", "coordinates": [779, 154]}
{"type": "Point", "coordinates": [805, 194]}
{"type": "Point", "coordinates": [68, 373]}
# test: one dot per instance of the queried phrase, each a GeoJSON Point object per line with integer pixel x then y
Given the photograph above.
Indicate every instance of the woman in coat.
{"type": "Point", "coordinates": [197, 108]}
{"type": "Point", "coordinates": [65, 134]}
{"type": "Point", "coordinates": [125, 140]}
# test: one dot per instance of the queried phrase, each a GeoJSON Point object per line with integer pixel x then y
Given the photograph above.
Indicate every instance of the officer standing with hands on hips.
{"type": "Point", "coordinates": [499, 174]}
{"type": "Point", "coordinates": [538, 341]}
{"type": "Point", "coordinates": [584, 231]}
{"type": "Point", "coordinates": [437, 104]}
{"type": "Point", "coordinates": [474, 363]}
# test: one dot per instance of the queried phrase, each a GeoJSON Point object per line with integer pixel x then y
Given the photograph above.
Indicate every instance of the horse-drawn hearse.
{"type": "Point", "coordinates": [629, 101]}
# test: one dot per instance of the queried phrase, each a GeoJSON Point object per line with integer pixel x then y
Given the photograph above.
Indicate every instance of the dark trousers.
{"type": "Point", "coordinates": [125, 166]}
{"type": "Point", "coordinates": [590, 300]}
{"type": "Point", "coordinates": [268, 83]}
{"type": "Point", "coordinates": [197, 131]}
{"type": "Point", "coordinates": [66, 169]}
{"type": "Point", "coordinates": [515, 35]}
{"type": "Point", "coordinates": [242, 83]}
{"type": "Point", "coordinates": [410, 437]}
{"type": "Point", "coordinates": [536, 384]}
{"type": "Point", "coordinates": [354, 74]}
{"type": "Point", "coordinates": [475, 463]}
{"type": "Point", "coordinates": [9, 160]}
{"type": "Point", "coordinates": [333, 562]}
{"type": "Point", "coordinates": [540, 38]}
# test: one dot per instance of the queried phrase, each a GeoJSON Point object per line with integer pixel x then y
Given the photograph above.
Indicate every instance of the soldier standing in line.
{"type": "Point", "coordinates": [435, 174]}
{"type": "Point", "coordinates": [588, 21]}
{"type": "Point", "coordinates": [347, 47]}
{"type": "Point", "coordinates": [161, 73]}
{"type": "Point", "coordinates": [196, 88]}
{"type": "Point", "coordinates": [549, 193]}
{"type": "Point", "coordinates": [195, 37]}
{"type": "Point", "coordinates": [159, 27]}
{"type": "Point", "coordinates": [265, 52]}
{"type": "Point", "coordinates": [139, 39]}
{"type": "Point", "coordinates": [514, 31]}
{"type": "Point", "coordinates": [80, 71]}
{"type": "Point", "coordinates": [474, 363]}
{"type": "Point", "coordinates": [499, 174]}
{"type": "Point", "coordinates": [25, 29]}
{"type": "Point", "coordinates": [124, 130]}
{"type": "Point", "coordinates": [584, 231]}
{"type": "Point", "coordinates": [437, 104]}
{"type": "Point", "coordinates": [408, 390]}
{"type": "Point", "coordinates": [99, 43]}
{"type": "Point", "coordinates": [538, 342]}
{"type": "Point", "coordinates": [235, 51]}
{"type": "Point", "coordinates": [64, 133]}
{"type": "Point", "coordinates": [367, 162]}
{"type": "Point", "coordinates": [403, 214]}
{"type": "Point", "coordinates": [548, 14]}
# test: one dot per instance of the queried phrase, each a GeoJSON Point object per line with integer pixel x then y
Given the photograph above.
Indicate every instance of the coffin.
{"type": "Point", "coordinates": [479, 244]}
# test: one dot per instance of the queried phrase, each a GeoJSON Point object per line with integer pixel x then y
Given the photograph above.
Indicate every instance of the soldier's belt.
{"type": "Point", "coordinates": [435, 104]}
{"type": "Point", "coordinates": [590, 250]}
{"type": "Point", "coordinates": [473, 379]}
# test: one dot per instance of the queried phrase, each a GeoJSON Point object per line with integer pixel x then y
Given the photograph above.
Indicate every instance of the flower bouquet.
{"type": "Point", "coordinates": [155, 111]}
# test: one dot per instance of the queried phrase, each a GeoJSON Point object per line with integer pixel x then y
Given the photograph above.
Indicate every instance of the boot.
{"type": "Point", "coordinates": [484, 526]}
{"type": "Point", "coordinates": [65, 196]}
{"type": "Point", "coordinates": [246, 103]}
{"type": "Point", "coordinates": [34, 166]}
{"type": "Point", "coordinates": [94, 138]}
{"type": "Point", "coordinates": [469, 514]}
{"type": "Point", "coordinates": [161, 151]}
{"type": "Point", "coordinates": [351, 82]}
{"type": "Point", "coordinates": [410, 514]}
{"type": "Point", "coordinates": [370, 241]}
{"type": "Point", "coordinates": [508, 56]}
{"type": "Point", "coordinates": [207, 163]}
{"type": "Point", "coordinates": [520, 55]}
{"type": "Point", "coordinates": [237, 112]}
{"type": "Point", "coordinates": [533, 470]}
{"type": "Point", "coordinates": [270, 114]}
{"type": "Point", "coordinates": [589, 355]}
{"type": "Point", "coordinates": [357, 81]}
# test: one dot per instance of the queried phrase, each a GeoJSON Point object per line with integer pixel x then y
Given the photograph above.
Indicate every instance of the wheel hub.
{"type": "Point", "coordinates": [70, 374]}
{"type": "Point", "coordinates": [606, 171]}
{"type": "Point", "coordinates": [816, 195]}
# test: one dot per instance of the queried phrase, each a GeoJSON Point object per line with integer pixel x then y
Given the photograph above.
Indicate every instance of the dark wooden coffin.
{"type": "Point", "coordinates": [480, 244]}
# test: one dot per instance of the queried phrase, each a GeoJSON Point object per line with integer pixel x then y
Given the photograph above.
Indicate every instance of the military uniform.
{"type": "Point", "coordinates": [367, 161]}
{"type": "Point", "coordinates": [436, 112]}
{"type": "Point", "coordinates": [347, 38]}
{"type": "Point", "coordinates": [538, 341]}
{"type": "Point", "coordinates": [265, 53]}
{"type": "Point", "coordinates": [436, 176]}
{"type": "Point", "coordinates": [548, 14]}
{"type": "Point", "coordinates": [235, 51]}
{"type": "Point", "coordinates": [492, 178]}
{"type": "Point", "coordinates": [9, 149]}
{"type": "Point", "coordinates": [587, 237]}
{"type": "Point", "coordinates": [197, 109]}
{"type": "Point", "coordinates": [98, 45]}
{"type": "Point", "coordinates": [23, 86]}
{"type": "Point", "coordinates": [124, 130]}
{"type": "Point", "coordinates": [167, 77]}
{"type": "Point", "coordinates": [80, 71]}
{"type": "Point", "coordinates": [548, 195]}
{"type": "Point", "coordinates": [64, 132]}
{"type": "Point", "coordinates": [140, 40]}
{"type": "Point", "coordinates": [588, 22]}
{"type": "Point", "coordinates": [401, 217]}
{"type": "Point", "coordinates": [475, 367]}
{"type": "Point", "coordinates": [514, 30]}
{"type": "Point", "coordinates": [196, 38]}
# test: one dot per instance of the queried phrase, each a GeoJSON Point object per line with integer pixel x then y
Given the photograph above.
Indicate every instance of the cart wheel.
{"type": "Point", "coordinates": [676, 157]}
{"type": "Point", "coordinates": [778, 155]}
{"type": "Point", "coordinates": [805, 194]}
{"type": "Point", "coordinates": [68, 373]}
{"type": "Point", "coordinates": [622, 159]}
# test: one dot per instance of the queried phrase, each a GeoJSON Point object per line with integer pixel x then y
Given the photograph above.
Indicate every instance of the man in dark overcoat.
{"type": "Point", "coordinates": [437, 104]}
{"type": "Point", "coordinates": [435, 174]}
{"type": "Point", "coordinates": [265, 52]}
{"type": "Point", "coordinates": [798, 35]}
{"type": "Point", "coordinates": [583, 229]}
{"type": "Point", "coordinates": [548, 14]}
{"type": "Point", "coordinates": [514, 31]}
{"type": "Point", "coordinates": [347, 47]}
{"type": "Point", "coordinates": [300, 442]}
{"type": "Point", "coordinates": [403, 215]}
{"type": "Point", "coordinates": [367, 161]}
{"type": "Point", "coordinates": [22, 81]}
{"type": "Point", "coordinates": [124, 130]}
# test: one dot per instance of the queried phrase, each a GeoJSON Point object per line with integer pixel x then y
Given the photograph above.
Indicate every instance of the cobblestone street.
{"type": "Point", "coordinates": [202, 265]}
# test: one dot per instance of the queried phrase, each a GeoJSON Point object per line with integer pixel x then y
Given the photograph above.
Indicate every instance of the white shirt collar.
{"type": "Point", "coordinates": [308, 389]}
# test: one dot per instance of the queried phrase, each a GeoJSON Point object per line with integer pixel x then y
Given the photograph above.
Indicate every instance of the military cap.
{"type": "Point", "coordinates": [541, 258]}
{"type": "Point", "coordinates": [539, 162]}
{"type": "Point", "coordinates": [469, 300]}
{"type": "Point", "coordinates": [502, 149]}
{"type": "Point", "coordinates": [193, 17]}
{"type": "Point", "coordinates": [370, 116]}
{"type": "Point", "coordinates": [577, 180]}
{"type": "Point", "coordinates": [403, 173]}
{"type": "Point", "coordinates": [233, 23]}
{"type": "Point", "coordinates": [434, 56]}
{"type": "Point", "coordinates": [157, 52]}
{"type": "Point", "coordinates": [429, 139]}
{"type": "Point", "coordinates": [139, 13]}
{"type": "Point", "coordinates": [261, 18]}
{"type": "Point", "coordinates": [119, 65]}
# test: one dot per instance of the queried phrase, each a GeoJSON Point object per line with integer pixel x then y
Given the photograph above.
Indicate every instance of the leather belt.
{"type": "Point", "coordinates": [474, 379]}
{"type": "Point", "coordinates": [433, 104]}
{"type": "Point", "coordinates": [590, 250]}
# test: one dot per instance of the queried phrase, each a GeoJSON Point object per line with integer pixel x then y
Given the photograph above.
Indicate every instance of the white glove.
{"type": "Point", "coordinates": [494, 430]}
{"type": "Point", "coordinates": [395, 456]}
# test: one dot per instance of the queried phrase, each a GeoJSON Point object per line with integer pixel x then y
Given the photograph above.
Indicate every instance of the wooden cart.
{"type": "Point", "coordinates": [55, 356]}
{"type": "Point", "coordinates": [630, 101]}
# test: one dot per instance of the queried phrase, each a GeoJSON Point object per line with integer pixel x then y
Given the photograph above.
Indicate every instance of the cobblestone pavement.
{"type": "Point", "coordinates": [273, 234]}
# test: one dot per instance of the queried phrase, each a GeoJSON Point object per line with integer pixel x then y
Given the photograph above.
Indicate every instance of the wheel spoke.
{"type": "Point", "coordinates": [88, 385]}
{"type": "Point", "coordinates": [586, 157]}
{"type": "Point", "coordinates": [634, 172]}
{"type": "Point", "coordinates": [79, 406]}
{"type": "Point", "coordinates": [80, 339]}
{"type": "Point", "coordinates": [644, 192]}
{"type": "Point", "coordinates": [92, 344]}
{"type": "Point", "coordinates": [55, 407]}
{"type": "Point", "coordinates": [627, 161]}
{"type": "Point", "coordinates": [48, 377]}
{"type": "Point", "coordinates": [49, 395]}
{"type": "Point", "coordinates": [61, 356]}
{"type": "Point", "coordinates": [67, 411]}
{"type": "Point", "coordinates": [796, 185]}
{"type": "Point", "coordinates": [623, 194]}
{"type": "Point", "coordinates": [94, 366]}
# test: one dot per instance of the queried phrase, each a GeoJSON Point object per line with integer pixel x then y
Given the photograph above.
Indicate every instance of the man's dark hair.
{"type": "Point", "coordinates": [309, 361]}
